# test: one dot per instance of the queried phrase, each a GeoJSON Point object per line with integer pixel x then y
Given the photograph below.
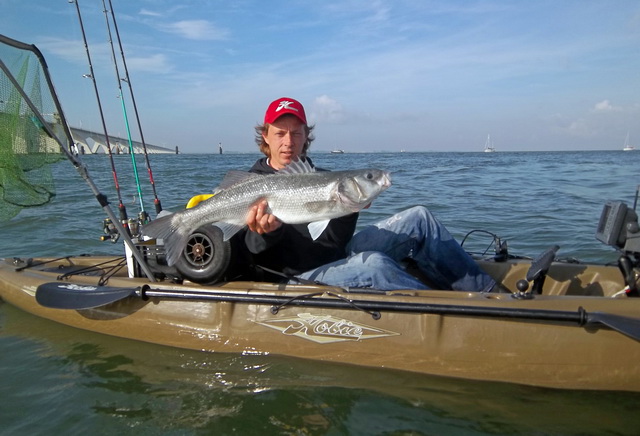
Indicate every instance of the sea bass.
{"type": "Point", "coordinates": [296, 194]}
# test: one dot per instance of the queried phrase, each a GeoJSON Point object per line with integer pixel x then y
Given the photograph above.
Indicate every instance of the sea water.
{"type": "Point", "coordinates": [59, 380]}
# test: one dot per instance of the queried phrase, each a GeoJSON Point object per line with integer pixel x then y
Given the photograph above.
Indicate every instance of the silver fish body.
{"type": "Point", "coordinates": [295, 195]}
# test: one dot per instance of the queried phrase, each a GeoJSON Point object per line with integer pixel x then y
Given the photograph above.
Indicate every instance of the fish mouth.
{"type": "Point", "coordinates": [385, 181]}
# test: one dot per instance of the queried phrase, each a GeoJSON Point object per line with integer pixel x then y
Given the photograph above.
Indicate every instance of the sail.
{"type": "Point", "coordinates": [488, 145]}
{"type": "Point", "coordinates": [627, 146]}
{"type": "Point", "coordinates": [29, 130]}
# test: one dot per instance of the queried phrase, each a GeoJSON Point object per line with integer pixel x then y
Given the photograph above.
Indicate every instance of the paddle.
{"type": "Point", "coordinates": [70, 296]}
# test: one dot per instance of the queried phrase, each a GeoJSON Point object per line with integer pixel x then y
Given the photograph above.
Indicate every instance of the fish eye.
{"type": "Point", "coordinates": [369, 176]}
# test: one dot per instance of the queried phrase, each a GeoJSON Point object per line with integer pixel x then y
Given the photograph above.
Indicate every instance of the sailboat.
{"type": "Point", "coordinates": [627, 146]}
{"type": "Point", "coordinates": [488, 146]}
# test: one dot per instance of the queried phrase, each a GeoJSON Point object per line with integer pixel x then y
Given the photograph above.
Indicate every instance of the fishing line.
{"type": "Point", "coordinates": [143, 214]}
{"type": "Point", "coordinates": [121, 207]}
{"type": "Point", "coordinates": [127, 79]}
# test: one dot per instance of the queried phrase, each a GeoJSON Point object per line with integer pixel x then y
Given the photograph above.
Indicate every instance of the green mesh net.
{"type": "Point", "coordinates": [29, 130]}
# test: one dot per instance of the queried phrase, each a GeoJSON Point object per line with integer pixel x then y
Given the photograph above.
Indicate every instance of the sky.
{"type": "Point", "coordinates": [373, 75]}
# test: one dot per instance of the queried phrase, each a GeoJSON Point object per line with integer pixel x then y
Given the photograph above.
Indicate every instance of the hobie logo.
{"type": "Point", "coordinates": [325, 329]}
{"type": "Point", "coordinates": [73, 287]}
{"type": "Point", "coordinates": [286, 104]}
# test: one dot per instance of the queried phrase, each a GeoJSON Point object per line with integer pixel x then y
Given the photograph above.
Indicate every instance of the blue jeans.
{"type": "Point", "coordinates": [375, 256]}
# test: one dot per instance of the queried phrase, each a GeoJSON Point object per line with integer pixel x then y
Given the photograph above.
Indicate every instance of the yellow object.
{"type": "Point", "coordinates": [195, 200]}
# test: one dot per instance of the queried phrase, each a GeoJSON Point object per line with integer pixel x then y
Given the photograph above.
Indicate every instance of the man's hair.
{"type": "Point", "coordinates": [264, 147]}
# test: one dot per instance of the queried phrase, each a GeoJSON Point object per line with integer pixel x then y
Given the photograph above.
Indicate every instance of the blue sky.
{"type": "Point", "coordinates": [373, 75]}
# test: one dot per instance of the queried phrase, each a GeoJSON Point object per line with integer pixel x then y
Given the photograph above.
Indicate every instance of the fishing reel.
{"type": "Point", "coordinates": [110, 231]}
{"type": "Point", "coordinates": [132, 225]}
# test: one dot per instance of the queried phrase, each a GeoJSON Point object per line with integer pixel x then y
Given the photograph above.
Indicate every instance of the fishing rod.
{"type": "Point", "coordinates": [121, 207]}
{"type": "Point", "coordinates": [127, 79]}
{"type": "Point", "coordinates": [143, 214]}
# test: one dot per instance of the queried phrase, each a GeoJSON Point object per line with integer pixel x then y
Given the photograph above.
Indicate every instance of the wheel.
{"type": "Point", "coordinates": [206, 256]}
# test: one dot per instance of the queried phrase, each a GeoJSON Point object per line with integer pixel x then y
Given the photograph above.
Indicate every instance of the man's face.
{"type": "Point", "coordinates": [285, 137]}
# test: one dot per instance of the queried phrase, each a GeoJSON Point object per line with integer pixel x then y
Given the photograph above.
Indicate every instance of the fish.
{"type": "Point", "coordinates": [296, 194]}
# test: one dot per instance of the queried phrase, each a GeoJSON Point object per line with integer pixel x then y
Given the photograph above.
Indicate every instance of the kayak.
{"type": "Point", "coordinates": [580, 332]}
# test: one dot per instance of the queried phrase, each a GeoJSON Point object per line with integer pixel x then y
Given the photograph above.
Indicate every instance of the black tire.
{"type": "Point", "coordinates": [206, 256]}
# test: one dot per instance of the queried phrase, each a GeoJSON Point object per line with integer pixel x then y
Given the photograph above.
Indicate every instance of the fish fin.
{"type": "Point", "coordinates": [233, 178]}
{"type": "Point", "coordinates": [164, 212]}
{"type": "Point", "coordinates": [228, 229]}
{"type": "Point", "coordinates": [173, 236]}
{"type": "Point", "coordinates": [316, 228]}
{"type": "Point", "coordinates": [297, 166]}
{"type": "Point", "coordinates": [159, 228]}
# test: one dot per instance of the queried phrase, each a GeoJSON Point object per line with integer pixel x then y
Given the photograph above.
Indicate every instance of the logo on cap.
{"type": "Point", "coordinates": [286, 104]}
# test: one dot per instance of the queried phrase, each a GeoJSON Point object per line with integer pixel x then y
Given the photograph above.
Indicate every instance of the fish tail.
{"type": "Point", "coordinates": [172, 234]}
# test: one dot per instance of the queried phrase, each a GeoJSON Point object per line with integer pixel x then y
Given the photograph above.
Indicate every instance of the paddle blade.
{"type": "Point", "coordinates": [623, 324]}
{"type": "Point", "coordinates": [59, 295]}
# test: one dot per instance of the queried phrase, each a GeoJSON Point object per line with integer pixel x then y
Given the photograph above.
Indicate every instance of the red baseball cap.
{"type": "Point", "coordinates": [284, 106]}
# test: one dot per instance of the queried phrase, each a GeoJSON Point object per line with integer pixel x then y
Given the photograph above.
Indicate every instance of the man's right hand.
{"type": "Point", "coordinates": [260, 221]}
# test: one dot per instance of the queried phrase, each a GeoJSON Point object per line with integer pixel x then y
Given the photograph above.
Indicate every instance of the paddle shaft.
{"type": "Point", "coordinates": [622, 324]}
{"type": "Point", "coordinates": [580, 317]}
{"type": "Point", "coordinates": [62, 295]}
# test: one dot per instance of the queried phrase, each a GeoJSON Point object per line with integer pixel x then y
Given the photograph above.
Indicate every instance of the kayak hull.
{"type": "Point", "coordinates": [539, 352]}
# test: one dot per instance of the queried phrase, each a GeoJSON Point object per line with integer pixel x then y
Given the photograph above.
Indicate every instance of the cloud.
{"type": "Point", "coordinates": [70, 50]}
{"type": "Point", "coordinates": [326, 109]}
{"type": "Point", "coordinates": [149, 13]}
{"type": "Point", "coordinates": [156, 63]}
{"type": "Point", "coordinates": [606, 106]}
{"type": "Point", "coordinates": [200, 30]}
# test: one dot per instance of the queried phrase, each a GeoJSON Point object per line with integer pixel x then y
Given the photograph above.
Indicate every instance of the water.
{"type": "Point", "coordinates": [59, 380]}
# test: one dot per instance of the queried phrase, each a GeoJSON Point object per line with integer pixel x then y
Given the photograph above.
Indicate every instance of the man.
{"type": "Point", "coordinates": [373, 258]}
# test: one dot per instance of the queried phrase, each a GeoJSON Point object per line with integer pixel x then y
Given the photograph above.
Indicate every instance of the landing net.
{"type": "Point", "coordinates": [34, 134]}
{"type": "Point", "coordinates": [31, 129]}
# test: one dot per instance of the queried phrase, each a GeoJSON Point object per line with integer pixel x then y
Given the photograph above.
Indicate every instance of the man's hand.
{"type": "Point", "coordinates": [260, 221]}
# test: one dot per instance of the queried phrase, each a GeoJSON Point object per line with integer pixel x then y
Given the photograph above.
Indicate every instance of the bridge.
{"type": "Point", "coordinates": [89, 142]}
